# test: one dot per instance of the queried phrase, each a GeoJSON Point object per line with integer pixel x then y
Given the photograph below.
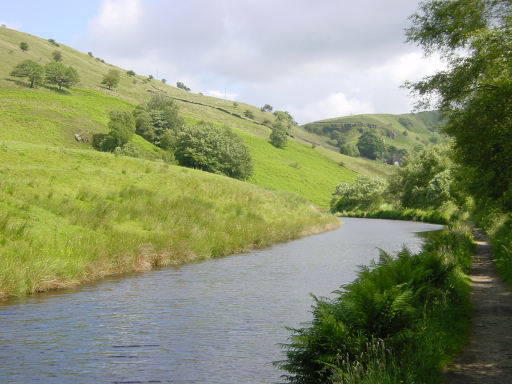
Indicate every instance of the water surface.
{"type": "Point", "coordinates": [219, 321]}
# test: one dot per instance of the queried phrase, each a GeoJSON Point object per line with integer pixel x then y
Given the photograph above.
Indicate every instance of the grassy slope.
{"type": "Point", "coordinates": [418, 133]}
{"type": "Point", "coordinates": [69, 215]}
{"type": "Point", "coordinates": [46, 116]}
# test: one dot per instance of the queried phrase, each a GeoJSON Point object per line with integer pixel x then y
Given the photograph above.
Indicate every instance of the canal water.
{"type": "Point", "coordinates": [218, 321]}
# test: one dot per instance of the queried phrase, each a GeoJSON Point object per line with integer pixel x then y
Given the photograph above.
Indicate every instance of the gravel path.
{"type": "Point", "coordinates": [487, 359]}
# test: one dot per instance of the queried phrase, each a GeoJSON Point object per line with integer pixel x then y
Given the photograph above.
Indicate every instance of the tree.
{"type": "Point", "coordinates": [364, 193]}
{"type": "Point", "coordinates": [164, 81]}
{"type": "Point", "coordinates": [111, 79]}
{"type": "Point", "coordinates": [474, 93]}
{"type": "Point", "coordinates": [159, 121]}
{"type": "Point", "coordinates": [248, 114]}
{"type": "Point", "coordinates": [180, 85]}
{"type": "Point", "coordinates": [53, 42]}
{"type": "Point", "coordinates": [425, 180]}
{"type": "Point", "coordinates": [24, 46]}
{"type": "Point", "coordinates": [30, 69]}
{"type": "Point", "coordinates": [130, 73]}
{"type": "Point", "coordinates": [60, 75]}
{"type": "Point", "coordinates": [57, 56]}
{"type": "Point", "coordinates": [278, 137]}
{"type": "Point", "coordinates": [217, 150]}
{"type": "Point", "coordinates": [267, 108]}
{"type": "Point", "coordinates": [370, 145]}
{"type": "Point", "coordinates": [122, 128]}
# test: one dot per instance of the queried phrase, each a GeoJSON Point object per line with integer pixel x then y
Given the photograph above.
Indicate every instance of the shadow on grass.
{"type": "Point", "coordinates": [49, 87]}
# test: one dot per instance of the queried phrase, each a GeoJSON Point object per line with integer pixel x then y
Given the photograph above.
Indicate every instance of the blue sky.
{"type": "Point", "coordinates": [315, 59]}
{"type": "Point", "coordinates": [61, 20]}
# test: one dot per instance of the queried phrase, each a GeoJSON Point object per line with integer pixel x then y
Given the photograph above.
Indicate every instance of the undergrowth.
{"type": "Point", "coordinates": [498, 226]}
{"type": "Point", "coordinates": [400, 321]}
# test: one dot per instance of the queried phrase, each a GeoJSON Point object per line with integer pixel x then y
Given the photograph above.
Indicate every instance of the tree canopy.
{"type": "Point", "coordinates": [111, 79]}
{"type": "Point", "coordinates": [370, 145]}
{"type": "Point", "coordinates": [159, 121]}
{"type": "Point", "coordinates": [425, 181]}
{"type": "Point", "coordinates": [217, 150]}
{"type": "Point", "coordinates": [278, 136]}
{"type": "Point", "coordinates": [60, 75]}
{"type": "Point", "coordinates": [29, 69]}
{"type": "Point", "coordinates": [475, 91]}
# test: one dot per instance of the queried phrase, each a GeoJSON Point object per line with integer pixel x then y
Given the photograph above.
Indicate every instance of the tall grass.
{"type": "Point", "coordinates": [399, 321]}
{"type": "Point", "coordinates": [71, 216]}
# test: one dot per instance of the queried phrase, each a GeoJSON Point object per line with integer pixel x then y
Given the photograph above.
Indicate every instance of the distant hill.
{"type": "Point", "coordinates": [46, 117]}
{"type": "Point", "coordinates": [408, 131]}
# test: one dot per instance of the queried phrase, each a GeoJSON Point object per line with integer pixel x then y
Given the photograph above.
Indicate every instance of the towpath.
{"type": "Point", "coordinates": [487, 359]}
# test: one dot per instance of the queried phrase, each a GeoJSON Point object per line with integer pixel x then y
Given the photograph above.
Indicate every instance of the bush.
{"type": "Point", "coordinates": [425, 181]}
{"type": "Point", "coordinates": [57, 56]}
{"type": "Point", "coordinates": [397, 322]}
{"type": "Point", "coordinates": [159, 121]}
{"type": "Point", "coordinates": [278, 137]}
{"type": "Point", "coordinates": [217, 150]}
{"type": "Point", "coordinates": [365, 193]}
{"type": "Point", "coordinates": [180, 85]}
{"type": "Point", "coordinates": [248, 114]}
{"type": "Point", "coordinates": [24, 46]}
{"type": "Point", "coordinates": [130, 73]}
{"type": "Point", "coordinates": [122, 128]}
{"type": "Point", "coordinates": [370, 146]}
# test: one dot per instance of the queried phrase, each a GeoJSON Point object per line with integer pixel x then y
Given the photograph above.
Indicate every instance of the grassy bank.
{"type": "Point", "coordinates": [433, 216]}
{"type": "Point", "coordinates": [69, 216]}
{"type": "Point", "coordinates": [400, 321]}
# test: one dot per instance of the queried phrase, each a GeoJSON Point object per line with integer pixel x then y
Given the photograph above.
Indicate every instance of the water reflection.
{"type": "Point", "coordinates": [218, 321]}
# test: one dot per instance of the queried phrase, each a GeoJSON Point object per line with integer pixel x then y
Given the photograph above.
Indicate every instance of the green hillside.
{"type": "Point", "coordinates": [43, 115]}
{"type": "Point", "coordinates": [70, 214]}
{"type": "Point", "coordinates": [407, 131]}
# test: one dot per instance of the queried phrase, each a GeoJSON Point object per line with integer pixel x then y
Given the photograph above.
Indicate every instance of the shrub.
{"type": "Point", "coordinates": [180, 85]}
{"type": "Point", "coordinates": [53, 42]}
{"type": "Point", "coordinates": [24, 46]}
{"type": "Point", "coordinates": [159, 121]}
{"type": "Point", "coordinates": [111, 79]}
{"type": "Point", "coordinates": [217, 150]}
{"type": "Point", "coordinates": [397, 322]}
{"type": "Point", "coordinates": [130, 73]}
{"type": "Point", "coordinates": [57, 56]}
{"type": "Point", "coordinates": [248, 114]}
{"type": "Point", "coordinates": [122, 128]}
{"type": "Point", "coordinates": [365, 193]}
{"type": "Point", "coordinates": [425, 181]}
{"type": "Point", "coordinates": [278, 137]}
{"type": "Point", "coordinates": [370, 145]}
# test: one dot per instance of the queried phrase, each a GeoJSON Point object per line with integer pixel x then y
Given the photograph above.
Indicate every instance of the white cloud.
{"type": "Point", "coordinates": [317, 61]}
{"type": "Point", "coordinates": [221, 95]}
{"type": "Point", "coordinates": [16, 26]}
{"type": "Point", "coordinates": [335, 105]}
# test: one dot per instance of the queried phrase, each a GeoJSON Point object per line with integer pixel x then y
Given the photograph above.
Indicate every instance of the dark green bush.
{"type": "Point", "coordinates": [206, 147]}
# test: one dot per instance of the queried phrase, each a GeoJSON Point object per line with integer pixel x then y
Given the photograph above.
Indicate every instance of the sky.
{"type": "Point", "coordinates": [316, 59]}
